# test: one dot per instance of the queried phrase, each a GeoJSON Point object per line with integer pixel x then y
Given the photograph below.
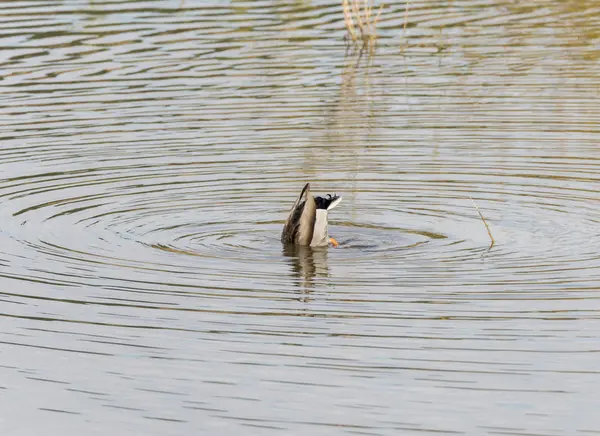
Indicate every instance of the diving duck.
{"type": "Point", "coordinates": [307, 222]}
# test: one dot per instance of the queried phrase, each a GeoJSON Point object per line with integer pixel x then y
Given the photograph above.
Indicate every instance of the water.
{"type": "Point", "coordinates": [150, 151]}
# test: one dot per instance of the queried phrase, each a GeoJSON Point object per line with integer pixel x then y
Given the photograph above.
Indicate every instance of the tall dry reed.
{"type": "Point", "coordinates": [361, 24]}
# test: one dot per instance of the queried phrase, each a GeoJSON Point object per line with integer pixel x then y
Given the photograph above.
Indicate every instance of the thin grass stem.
{"type": "Point", "coordinates": [484, 222]}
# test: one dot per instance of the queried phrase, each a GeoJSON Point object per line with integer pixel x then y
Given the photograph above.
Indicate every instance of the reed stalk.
{"type": "Point", "coordinates": [360, 22]}
{"type": "Point", "coordinates": [484, 222]}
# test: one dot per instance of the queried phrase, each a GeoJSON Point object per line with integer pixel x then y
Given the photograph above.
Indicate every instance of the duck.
{"type": "Point", "coordinates": [306, 224]}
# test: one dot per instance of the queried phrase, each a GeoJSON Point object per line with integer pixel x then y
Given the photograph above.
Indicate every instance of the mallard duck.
{"type": "Point", "coordinates": [307, 222]}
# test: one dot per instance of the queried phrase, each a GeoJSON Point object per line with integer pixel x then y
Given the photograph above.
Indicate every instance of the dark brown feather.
{"type": "Point", "coordinates": [299, 225]}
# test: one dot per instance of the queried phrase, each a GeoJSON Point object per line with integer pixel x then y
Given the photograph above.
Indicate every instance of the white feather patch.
{"type": "Point", "coordinates": [320, 235]}
{"type": "Point", "coordinates": [335, 203]}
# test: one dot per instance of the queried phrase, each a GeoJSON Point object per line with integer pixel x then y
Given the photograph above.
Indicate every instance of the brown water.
{"type": "Point", "coordinates": [150, 151]}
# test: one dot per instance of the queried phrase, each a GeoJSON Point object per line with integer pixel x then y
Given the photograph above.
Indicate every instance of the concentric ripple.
{"type": "Point", "coordinates": [151, 151]}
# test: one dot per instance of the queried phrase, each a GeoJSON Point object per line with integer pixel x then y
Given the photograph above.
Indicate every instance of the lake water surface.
{"type": "Point", "coordinates": [150, 152]}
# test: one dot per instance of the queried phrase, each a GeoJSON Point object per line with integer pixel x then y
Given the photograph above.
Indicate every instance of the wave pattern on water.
{"type": "Point", "coordinates": [152, 149]}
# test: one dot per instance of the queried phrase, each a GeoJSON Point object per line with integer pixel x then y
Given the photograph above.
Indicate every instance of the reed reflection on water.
{"type": "Point", "coordinates": [151, 151]}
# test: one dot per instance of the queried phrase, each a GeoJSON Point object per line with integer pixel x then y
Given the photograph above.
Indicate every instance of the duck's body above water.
{"type": "Point", "coordinates": [307, 222]}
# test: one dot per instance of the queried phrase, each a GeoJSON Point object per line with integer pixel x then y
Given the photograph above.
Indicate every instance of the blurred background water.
{"type": "Point", "coordinates": [150, 152]}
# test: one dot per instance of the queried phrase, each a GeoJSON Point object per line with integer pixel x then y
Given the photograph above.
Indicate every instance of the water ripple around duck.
{"type": "Point", "coordinates": [151, 151]}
